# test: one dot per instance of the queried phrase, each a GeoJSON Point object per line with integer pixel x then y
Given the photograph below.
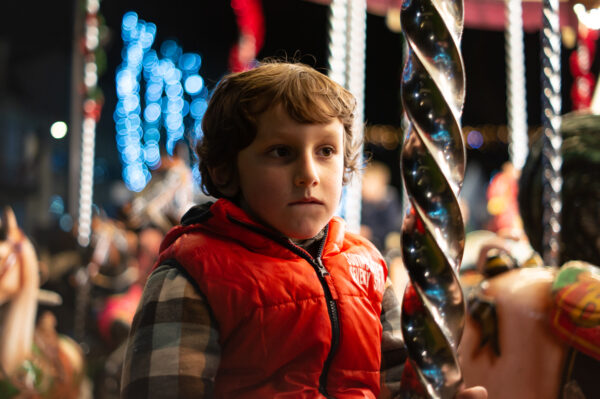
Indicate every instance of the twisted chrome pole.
{"type": "Point", "coordinates": [551, 155]}
{"type": "Point", "coordinates": [433, 167]}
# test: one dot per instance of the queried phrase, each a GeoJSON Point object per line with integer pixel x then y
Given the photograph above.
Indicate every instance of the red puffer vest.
{"type": "Point", "coordinates": [291, 326]}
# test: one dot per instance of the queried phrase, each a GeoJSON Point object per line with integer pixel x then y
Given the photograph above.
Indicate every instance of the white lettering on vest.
{"type": "Point", "coordinates": [362, 268]}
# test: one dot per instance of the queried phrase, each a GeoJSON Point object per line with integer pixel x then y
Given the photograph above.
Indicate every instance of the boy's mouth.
{"type": "Point", "coordinates": [305, 201]}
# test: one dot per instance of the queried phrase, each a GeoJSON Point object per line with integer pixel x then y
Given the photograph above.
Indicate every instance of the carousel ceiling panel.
{"type": "Point", "coordinates": [489, 14]}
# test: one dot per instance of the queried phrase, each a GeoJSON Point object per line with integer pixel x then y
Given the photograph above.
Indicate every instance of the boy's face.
{"type": "Point", "coordinates": [290, 176]}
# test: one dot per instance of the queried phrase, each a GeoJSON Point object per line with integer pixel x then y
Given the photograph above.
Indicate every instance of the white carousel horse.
{"type": "Point", "coordinates": [19, 283]}
{"type": "Point", "coordinates": [34, 360]}
{"type": "Point", "coordinates": [514, 343]}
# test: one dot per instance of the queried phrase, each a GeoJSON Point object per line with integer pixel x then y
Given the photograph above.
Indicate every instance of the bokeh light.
{"type": "Point", "coordinates": [57, 205]}
{"type": "Point", "coordinates": [590, 18]}
{"type": "Point", "coordinates": [475, 139]}
{"type": "Point", "coordinates": [66, 222]}
{"type": "Point", "coordinates": [193, 84]}
{"type": "Point", "coordinates": [58, 130]}
{"type": "Point", "coordinates": [190, 62]}
{"type": "Point", "coordinates": [198, 108]}
{"type": "Point", "coordinates": [158, 92]}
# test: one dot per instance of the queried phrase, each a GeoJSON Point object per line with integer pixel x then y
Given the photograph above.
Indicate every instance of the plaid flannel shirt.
{"type": "Point", "coordinates": [173, 349]}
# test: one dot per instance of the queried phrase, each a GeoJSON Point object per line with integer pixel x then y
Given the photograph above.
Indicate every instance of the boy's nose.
{"type": "Point", "coordinates": [306, 174]}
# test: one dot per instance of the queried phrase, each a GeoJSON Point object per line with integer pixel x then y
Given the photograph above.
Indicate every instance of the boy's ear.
{"type": "Point", "coordinates": [225, 179]}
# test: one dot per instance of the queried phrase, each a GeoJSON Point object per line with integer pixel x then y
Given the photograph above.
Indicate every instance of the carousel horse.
{"type": "Point", "coordinates": [35, 361]}
{"type": "Point", "coordinates": [533, 332]}
{"type": "Point", "coordinates": [527, 326]}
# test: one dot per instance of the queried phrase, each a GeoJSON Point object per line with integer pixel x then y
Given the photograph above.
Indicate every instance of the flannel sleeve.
{"type": "Point", "coordinates": [173, 349]}
{"type": "Point", "coordinates": [393, 350]}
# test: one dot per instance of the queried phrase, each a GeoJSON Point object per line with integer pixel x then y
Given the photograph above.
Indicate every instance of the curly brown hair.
{"type": "Point", "coordinates": [230, 122]}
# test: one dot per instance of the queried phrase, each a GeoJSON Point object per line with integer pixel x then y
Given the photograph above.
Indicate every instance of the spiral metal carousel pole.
{"type": "Point", "coordinates": [551, 155]}
{"type": "Point", "coordinates": [433, 167]}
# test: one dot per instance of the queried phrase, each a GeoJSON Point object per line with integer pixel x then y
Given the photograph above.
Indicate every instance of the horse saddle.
{"type": "Point", "coordinates": [575, 315]}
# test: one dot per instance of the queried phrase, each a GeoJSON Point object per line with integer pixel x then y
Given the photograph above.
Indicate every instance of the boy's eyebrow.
{"type": "Point", "coordinates": [326, 128]}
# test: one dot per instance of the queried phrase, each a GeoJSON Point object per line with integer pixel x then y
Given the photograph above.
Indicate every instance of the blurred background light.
{"type": "Point", "coordinates": [58, 130]}
{"type": "Point", "coordinates": [134, 177]}
{"type": "Point", "coordinates": [152, 112]}
{"type": "Point", "coordinates": [185, 109]}
{"type": "Point", "coordinates": [475, 139]}
{"type": "Point", "coordinates": [193, 84]}
{"type": "Point", "coordinates": [57, 205]}
{"type": "Point", "coordinates": [198, 108]}
{"type": "Point", "coordinates": [154, 91]}
{"type": "Point", "coordinates": [151, 154]}
{"type": "Point", "coordinates": [590, 18]}
{"type": "Point", "coordinates": [190, 62]}
{"type": "Point", "coordinates": [130, 20]}
{"type": "Point", "coordinates": [170, 49]}
{"type": "Point", "coordinates": [174, 89]}
{"type": "Point", "coordinates": [151, 135]}
{"type": "Point", "coordinates": [147, 35]}
{"type": "Point", "coordinates": [166, 85]}
{"type": "Point", "coordinates": [66, 222]}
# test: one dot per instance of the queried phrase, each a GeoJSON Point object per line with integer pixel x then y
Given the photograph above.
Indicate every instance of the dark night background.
{"type": "Point", "coordinates": [35, 72]}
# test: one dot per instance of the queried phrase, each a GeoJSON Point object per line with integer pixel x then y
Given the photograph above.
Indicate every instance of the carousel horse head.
{"type": "Point", "coordinates": [19, 285]}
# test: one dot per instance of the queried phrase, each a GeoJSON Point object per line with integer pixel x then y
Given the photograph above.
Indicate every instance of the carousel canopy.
{"type": "Point", "coordinates": [486, 14]}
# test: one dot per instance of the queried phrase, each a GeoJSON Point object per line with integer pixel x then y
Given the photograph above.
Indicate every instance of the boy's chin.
{"type": "Point", "coordinates": [302, 237]}
{"type": "Point", "coordinates": [305, 234]}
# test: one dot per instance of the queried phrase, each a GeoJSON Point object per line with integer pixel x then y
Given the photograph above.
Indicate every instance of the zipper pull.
{"type": "Point", "coordinates": [322, 270]}
{"type": "Point", "coordinates": [327, 277]}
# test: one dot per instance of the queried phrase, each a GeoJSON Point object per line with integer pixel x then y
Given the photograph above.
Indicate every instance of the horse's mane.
{"type": "Point", "coordinates": [18, 321]}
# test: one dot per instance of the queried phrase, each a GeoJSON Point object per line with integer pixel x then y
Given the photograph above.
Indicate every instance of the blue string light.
{"type": "Point", "coordinates": [174, 90]}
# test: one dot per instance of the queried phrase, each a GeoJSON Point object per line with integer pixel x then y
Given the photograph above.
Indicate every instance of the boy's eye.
{"type": "Point", "coordinates": [327, 151]}
{"type": "Point", "coordinates": [279, 152]}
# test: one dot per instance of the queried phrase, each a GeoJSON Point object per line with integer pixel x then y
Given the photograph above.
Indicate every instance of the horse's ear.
{"type": "Point", "coordinates": [8, 224]}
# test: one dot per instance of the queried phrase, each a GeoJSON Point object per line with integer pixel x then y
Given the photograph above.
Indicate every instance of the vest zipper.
{"type": "Point", "coordinates": [322, 274]}
{"type": "Point", "coordinates": [335, 324]}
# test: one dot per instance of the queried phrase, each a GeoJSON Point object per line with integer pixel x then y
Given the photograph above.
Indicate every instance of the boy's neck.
{"type": "Point", "coordinates": [310, 245]}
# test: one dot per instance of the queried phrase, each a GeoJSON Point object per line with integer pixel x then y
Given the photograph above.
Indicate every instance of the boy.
{"type": "Point", "coordinates": [262, 294]}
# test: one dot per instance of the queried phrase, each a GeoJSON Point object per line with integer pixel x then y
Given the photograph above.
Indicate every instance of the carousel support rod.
{"type": "Point", "coordinates": [516, 102]}
{"type": "Point", "coordinates": [76, 115]}
{"type": "Point", "coordinates": [595, 105]}
{"type": "Point", "coordinates": [88, 136]}
{"type": "Point", "coordinates": [551, 119]}
{"type": "Point", "coordinates": [433, 166]}
{"type": "Point", "coordinates": [347, 37]}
